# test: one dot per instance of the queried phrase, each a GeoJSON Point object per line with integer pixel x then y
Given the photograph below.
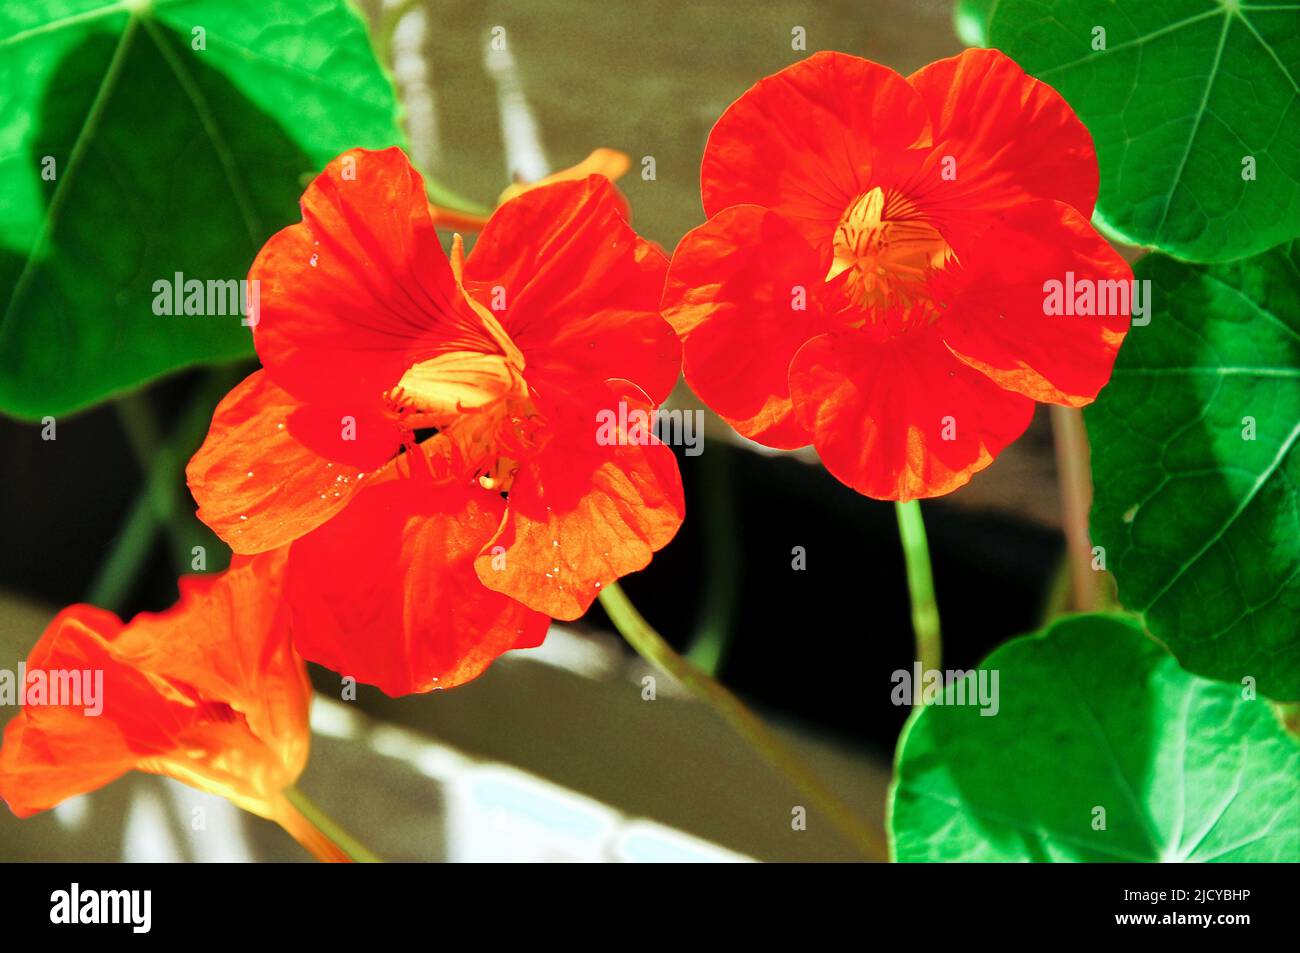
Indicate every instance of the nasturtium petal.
{"type": "Point", "coordinates": [141, 141]}
{"type": "Point", "coordinates": [1193, 107]}
{"type": "Point", "coordinates": [903, 419]}
{"type": "Point", "coordinates": [360, 289]}
{"type": "Point", "coordinates": [999, 326]}
{"type": "Point", "coordinates": [272, 469]}
{"type": "Point", "coordinates": [1101, 749]}
{"type": "Point", "coordinates": [805, 141]}
{"type": "Point", "coordinates": [1196, 468]}
{"type": "Point", "coordinates": [746, 274]}
{"type": "Point", "coordinates": [386, 592]}
{"type": "Point", "coordinates": [575, 288]}
{"type": "Point", "coordinates": [596, 504]}
{"type": "Point", "coordinates": [1009, 137]}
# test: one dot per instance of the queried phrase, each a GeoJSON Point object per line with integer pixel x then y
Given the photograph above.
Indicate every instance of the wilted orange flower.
{"type": "Point", "coordinates": [424, 429]}
{"type": "Point", "coordinates": [209, 692]}
{"type": "Point", "coordinates": [872, 277]}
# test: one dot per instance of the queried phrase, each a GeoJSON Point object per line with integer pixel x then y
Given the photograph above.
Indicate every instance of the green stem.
{"type": "Point", "coordinates": [1075, 478]}
{"type": "Point", "coordinates": [920, 587]}
{"type": "Point", "coordinates": [132, 546]}
{"type": "Point", "coordinates": [159, 465]}
{"type": "Point", "coordinates": [324, 837]}
{"type": "Point", "coordinates": [651, 646]}
{"type": "Point", "coordinates": [162, 502]}
{"type": "Point", "coordinates": [722, 552]}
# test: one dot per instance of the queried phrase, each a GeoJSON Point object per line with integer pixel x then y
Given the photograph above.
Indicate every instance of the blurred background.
{"type": "Point", "coordinates": [554, 753]}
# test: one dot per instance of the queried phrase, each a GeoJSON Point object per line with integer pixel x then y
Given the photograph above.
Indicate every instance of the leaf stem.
{"type": "Point", "coordinates": [319, 833]}
{"type": "Point", "coordinates": [713, 632]}
{"type": "Point", "coordinates": [920, 588]}
{"type": "Point", "coordinates": [651, 646]}
{"type": "Point", "coordinates": [1072, 467]}
{"type": "Point", "coordinates": [162, 502]}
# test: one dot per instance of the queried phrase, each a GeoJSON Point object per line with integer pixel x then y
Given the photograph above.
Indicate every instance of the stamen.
{"type": "Point", "coordinates": [468, 427]}
{"type": "Point", "coordinates": [888, 255]}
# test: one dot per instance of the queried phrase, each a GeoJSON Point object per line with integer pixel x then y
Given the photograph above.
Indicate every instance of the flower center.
{"type": "Point", "coordinates": [483, 413]}
{"type": "Point", "coordinates": [888, 255]}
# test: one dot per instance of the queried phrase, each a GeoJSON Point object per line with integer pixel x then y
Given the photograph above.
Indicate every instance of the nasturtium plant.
{"type": "Point", "coordinates": [1196, 470]}
{"type": "Point", "coordinates": [1101, 749]}
{"type": "Point", "coordinates": [1193, 106]}
{"type": "Point", "coordinates": [244, 100]}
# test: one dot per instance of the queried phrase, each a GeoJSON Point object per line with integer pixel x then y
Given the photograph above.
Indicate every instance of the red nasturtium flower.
{"type": "Point", "coordinates": [210, 692]}
{"type": "Point", "coordinates": [424, 430]}
{"type": "Point", "coordinates": [871, 277]}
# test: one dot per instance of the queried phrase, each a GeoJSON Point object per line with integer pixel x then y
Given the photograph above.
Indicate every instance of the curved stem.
{"type": "Point", "coordinates": [163, 502]}
{"type": "Point", "coordinates": [651, 646]}
{"type": "Point", "coordinates": [920, 587]}
{"type": "Point", "coordinates": [318, 833]}
{"type": "Point", "coordinates": [722, 552]}
{"type": "Point", "coordinates": [1072, 466]}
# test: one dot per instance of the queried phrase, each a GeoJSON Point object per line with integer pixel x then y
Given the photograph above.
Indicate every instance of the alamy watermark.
{"type": "Point", "coordinates": [1089, 297]}
{"type": "Point", "coordinates": [73, 906]}
{"type": "Point", "coordinates": [214, 297]}
{"type": "Point", "coordinates": [640, 427]}
{"type": "Point", "coordinates": [60, 688]}
{"type": "Point", "coordinates": [948, 687]}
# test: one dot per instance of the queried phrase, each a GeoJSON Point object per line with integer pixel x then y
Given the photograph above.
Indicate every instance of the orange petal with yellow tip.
{"type": "Point", "coordinates": [610, 163]}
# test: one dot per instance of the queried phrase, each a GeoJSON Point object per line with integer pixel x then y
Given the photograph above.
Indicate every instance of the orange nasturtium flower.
{"type": "Point", "coordinates": [210, 692]}
{"type": "Point", "coordinates": [424, 431]}
{"type": "Point", "coordinates": [871, 279]}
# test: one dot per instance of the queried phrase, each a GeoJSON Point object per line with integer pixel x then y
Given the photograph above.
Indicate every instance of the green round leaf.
{"type": "Point", "coordinates": [143, 140]}
{"type": "Point", "coordinates": [1187, 100]}
{"type": "Point", "coordinates": [1196, 471]}
{"type": "Point", "coordinates": [1102, 749]}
